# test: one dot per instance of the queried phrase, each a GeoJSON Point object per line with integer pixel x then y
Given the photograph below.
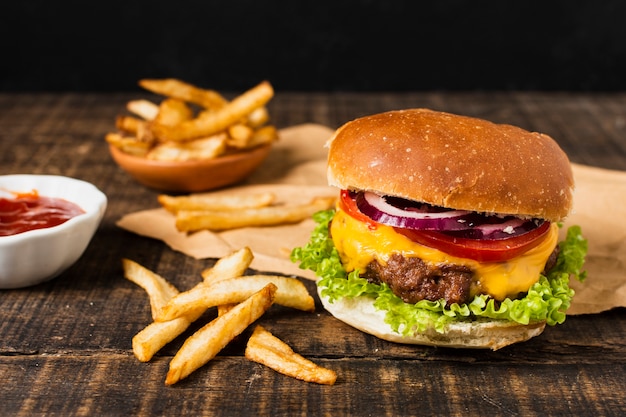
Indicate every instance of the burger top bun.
{"type": "Point", "coordinates": [453, 161]}
{"type": "Point", "coordinates": [360, 313]}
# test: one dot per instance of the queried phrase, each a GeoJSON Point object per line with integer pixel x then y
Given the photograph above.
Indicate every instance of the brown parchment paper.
{"type": "Point", "coordinates": [296, 170]}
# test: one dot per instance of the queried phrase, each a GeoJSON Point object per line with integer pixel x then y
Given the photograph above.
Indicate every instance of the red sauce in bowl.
{"type": "Point", "coordinates": [31, 211]}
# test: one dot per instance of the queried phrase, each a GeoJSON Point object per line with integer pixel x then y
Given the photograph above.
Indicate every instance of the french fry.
{"type": "Point", "coordinates": [258, 117]}
{"type": "Point", "coordinates": [194, 220]}
{"type": "Point", "coordinates": [264, 135]}
{"type": "Point", "coordinates": [129, 124]}
{"type": "Point", "coordinates": [145, 109]}
{"type": "Point", "coordinates": [172, 112]}
{"type": "Point", "coordinates": [207, 342]}
{"type": "Point", "coordinates": [157, 334]}
{"type": "Point", "coordinates": [239, 135]}
{"type": "Point", "coordinates": [144, 133]}
{"type": "Point", "coordinates": [208, 123]}
{"type": "Point", "coordinates": [224, 308]}
{"type": "Point", "coordinates": [241, 300]}
{"type": "Point", "coordinates": [206, 148]}
{"type": "Point", "coordinates": [291, 293]}
{"type": "Point", "coordinates": [139, 129]}
{"type": "Point", "coordinates": [128, 144]}
{"type": "Point", "coordinates": [153, 337]}
{"type": "Point", "coordinates": [159, 290]}
{"type": "Point", "coordinates": [208, 201]}
{"type": "Point", "coordinates": [181, 90]}
{"type": "Point", "coordinates": [176, 130]}
{"type": "Point", "coordinates": [265, 348]}
{"type": "Point", "coordinates": [230, 266]}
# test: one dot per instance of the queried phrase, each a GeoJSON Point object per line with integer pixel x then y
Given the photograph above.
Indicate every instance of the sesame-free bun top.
{"type": "Point", "coordinates": [453, 161]}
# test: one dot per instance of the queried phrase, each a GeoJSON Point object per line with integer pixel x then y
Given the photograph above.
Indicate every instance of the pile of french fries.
{"type": "Point", "coordinates": [206, 211]}
{"type": "Point", "coordinates": [192, 123]}
{"type": "Point", "coordinates": [239, 300]}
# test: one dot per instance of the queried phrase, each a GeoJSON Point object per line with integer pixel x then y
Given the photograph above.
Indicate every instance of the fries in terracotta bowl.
{"type": "Point", "coordinates": [194, 139]}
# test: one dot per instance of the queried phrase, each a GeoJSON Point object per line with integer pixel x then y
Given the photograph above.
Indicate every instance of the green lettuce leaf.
{"type": "Point", "coordinates": [548, 299]}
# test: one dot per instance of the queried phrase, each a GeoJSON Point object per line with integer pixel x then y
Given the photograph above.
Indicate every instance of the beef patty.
{"type": "Point", "coordinates": [414, 280]}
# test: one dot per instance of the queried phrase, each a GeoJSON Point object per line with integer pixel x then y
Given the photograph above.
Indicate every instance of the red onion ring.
{"type": "Point", "coordinates": [413, 216]}
{"type": "Point", "coordinates": [407, 214]}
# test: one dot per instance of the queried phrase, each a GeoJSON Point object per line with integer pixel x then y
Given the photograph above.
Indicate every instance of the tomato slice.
{"type": "Point", "coordinates": [348, 204]}
{"type": "Point", "coordinates": [482, 250]}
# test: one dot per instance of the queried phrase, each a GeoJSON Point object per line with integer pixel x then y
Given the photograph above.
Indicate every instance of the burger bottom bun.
{"type": "Point", "coordinates": [361, 314]}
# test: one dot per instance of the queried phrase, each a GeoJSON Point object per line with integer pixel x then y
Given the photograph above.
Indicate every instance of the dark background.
{"type": "Point", "coordinates": [315, 45]}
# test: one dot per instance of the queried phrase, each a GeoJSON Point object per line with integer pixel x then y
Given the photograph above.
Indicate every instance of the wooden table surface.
{"type": "Point", "coordinates": [65, 345]}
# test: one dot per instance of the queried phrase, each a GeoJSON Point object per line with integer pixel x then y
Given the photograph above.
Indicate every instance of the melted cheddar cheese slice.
{"type": "Point", "coordinates": [358, 245]}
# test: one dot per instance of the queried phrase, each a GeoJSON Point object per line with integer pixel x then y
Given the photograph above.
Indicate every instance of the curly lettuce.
{"type": "Point", "coordinates": [547, 300]}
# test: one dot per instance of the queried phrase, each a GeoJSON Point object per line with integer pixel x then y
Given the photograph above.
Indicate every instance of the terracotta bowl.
{"type": "Point", "coordinates": [191, 176]}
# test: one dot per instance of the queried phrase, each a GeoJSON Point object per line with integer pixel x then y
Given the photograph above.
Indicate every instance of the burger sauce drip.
{"type": "Point", "coordinates": [30, 211]}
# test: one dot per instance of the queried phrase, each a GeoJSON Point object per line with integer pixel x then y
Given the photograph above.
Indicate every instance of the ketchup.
{"type": "Point", "coordinates": [30, 211]}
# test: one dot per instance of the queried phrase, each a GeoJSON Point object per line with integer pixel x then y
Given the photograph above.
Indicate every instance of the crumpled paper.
{"type": "Point", "coordinates": [600, 209]}
{"type": "Point", "coordinates": [296, 171]}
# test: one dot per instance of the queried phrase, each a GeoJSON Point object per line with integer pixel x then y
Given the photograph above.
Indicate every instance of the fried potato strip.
{"type": "Point", "coordinates": [208, 201]}
{"type": "Point", "coordinates": [265, 348]}
{"type": "Point", "coordinates": [240, 299]}
{"type": "Point", "coordinates": [159, 290]}
{"type": "Point", "coordinates": [205, 148]}
{"type": "Point", "coordinates": [231, 266]}
{"type": "Point", "coordinates": [291, 293]}
{"type": "Point", "coordinates": [207, 342]}
{"type": "Point", "coordinates": [192, 123]}
{"type": "Point", "coordinates": [172, 112]}
{"type": "Point", "coordinates": [156, 335]}
{"type": "Point", "coordinates": [145, 109]}
{"type": "Point", "coordinates": [181, 90]}
{"type": "Point", "coordinates": [128, 144]}
{"type": "Point", "coordinates": [210, 122]}
{"type": "Point", "coordinates": [194, 220]}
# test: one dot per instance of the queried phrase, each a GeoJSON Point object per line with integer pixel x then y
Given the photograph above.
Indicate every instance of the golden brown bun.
{"type": "Point", "coordinates": [453, 161]}
{"type": "Point", "coordinates": [361, 314]}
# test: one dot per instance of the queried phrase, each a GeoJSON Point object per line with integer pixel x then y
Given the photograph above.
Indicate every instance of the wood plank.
{"type": "Point", "coordinates": [104, 312]}
{"type": "Point", "coordinates": [65, 345]}
{"type": "Point", "coordinates": [119, 385]}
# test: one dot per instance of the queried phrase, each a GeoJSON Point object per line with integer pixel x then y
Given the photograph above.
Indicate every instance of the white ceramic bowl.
{"type": "Point", "coordinates": [36, 256]}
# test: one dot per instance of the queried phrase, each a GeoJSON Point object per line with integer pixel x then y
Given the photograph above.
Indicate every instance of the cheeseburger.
{"type": "Point", "coordinates": [446, 231]}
